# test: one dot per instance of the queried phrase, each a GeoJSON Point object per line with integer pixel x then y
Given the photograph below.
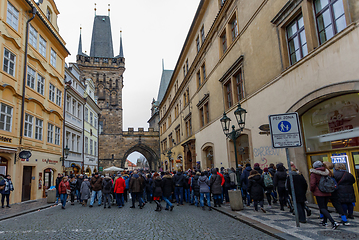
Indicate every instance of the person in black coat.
{"type": "Point", "coordinates": [256, 189]}
{"type": "Point", "coordinates": [178, 180]}
{"type": "Point", "coordinates": [244, 184]}
{"type": "Point", "coordinates": [167, 190]}
{"type": "Point", "coordinates": [195, 188]}
{"type": "Point", "coordinates": [279, 179]}
{"type": "Point", "coordinates": [80, 179]}
{"type": "Point", "coordinates": [157, 191]}
{"type": "Point", "coordinates": [345, 190]}
{"type": "Point", "coordinates": [300, 189]}
{"type": "Point", "coordinates": [226, 185]}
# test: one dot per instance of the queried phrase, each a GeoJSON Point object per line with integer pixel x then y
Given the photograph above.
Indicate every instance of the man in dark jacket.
{"type": "Point", "coordinates": [272, 170]}
{"type": "Point", "coordinates": [256, 189]}
{"type": "Point", "coordinates": [195, 188]}
{"type": "Point", "coordinates": [136, 189]}
{"type": "Point", "coordinates": [178, 181]}
{"type": "Point", "coordinates": [167, 190]}
{"type": "Point", "coordinates": [58, 180]}
{"type": "Point", "coordinates": [96, 186]}
{"type": "Point", "coordinates": [216, 188]}
{"type": "Point", "coordinates": [279, 179]}
{"type": "Point", "coordinates": [244, 183]}
{"type": "Point", "coordinates": [80, 179]}
{"type": "Point", "coordinates": [107, 185]}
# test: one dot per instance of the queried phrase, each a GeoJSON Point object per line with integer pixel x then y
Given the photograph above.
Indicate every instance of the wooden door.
{"type": "Point", "coordinates": [26, 183]}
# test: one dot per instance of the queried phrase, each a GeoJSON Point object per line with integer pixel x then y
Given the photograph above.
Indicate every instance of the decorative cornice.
{"type": "Point", "coordinates": [285, 11]}
{"type": "Point", "coordinates": [205, 97]}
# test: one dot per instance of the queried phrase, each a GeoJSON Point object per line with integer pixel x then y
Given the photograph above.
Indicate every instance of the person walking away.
{"type": "Point", "coordinates": [279, 179]}
{"type": "Point", "coordinates": [316, 173]}
{"type": "Point", "coordinates": [178, 180]}
{"type": "Point", "coordinates": [149, 192]}
{"type": "Point", "coordinates": [96, 186]}
{"type": "Point", "coordinates": [126, 177]}
{"type": "Point", "coordinates": [80, 179]}
{"type": "Point", "coordinates": [300, 190]}
{"type": "Point", "coordinates": [203, 183]}
{"type": "Point", "coordinates": [272, 170]}
{"type": "Point", "coordinates": [216, 188]}
{"type": "Point", "coordinates": [135, 189]}
{"type": "Point", "coordinates": [257, 168]}
{"type": "Point", "coordinates": [244, 183]}
{"type": "Point", "coordinates": [226, 185]}
{"type": "Point", "coordinates": [167, 190]}
{"type": "Point", "coordinates": [119, 189]}
{"type": "Point", "coordinates": [233, 178]}
{"type": "Point", "coordinates": [85, 191]}
{"type": "Point", "coordinates": [186, 188]}
{"type": "Point", "coordinates": [58, 180]}
{"type": "Point", "coordinates": [64, 191]}
{"type": "Point", "coordinates": [195, 188]}
{"type": "Point", "coordinates": [345, 190]}
{"type": "Point", "coordinates": [106, 190]}
{"type": "Point", "coordinates": [157, 191]}
{"type": "Point", "coordinates": [256, 189]}
{"type": "Point", "coordinates": [73, 187]}
{"type": "Point", "coordinates": [7, 187]}
{"type": "Point", "coordinates": [268, 185]}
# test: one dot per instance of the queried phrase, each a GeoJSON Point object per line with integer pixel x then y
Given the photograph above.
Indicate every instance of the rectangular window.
{"type": "Point", "coordinates": [9, 62]}
{"type": "Point", "coordinates": [178, 135]}
{"type": "Point", "coordinates": [184, 71]}
{"type": "Point", "coordinates": [95, 148]}
{"type": "Point", "coordinates": [202, 34]}
{"type": "Point", "coordinates": [52, 92]}
{"type": "Point", "coordinates": [12, 17]}
{"type": "Point", "coordinates": [198, 44]}
{"type": "Point", "coordinates": [206, 113]}
{"type": "Point", "coordinates": [30, 77]}
{"type": "Point", "coordinates": [189, 127]}
{"type": "Point", "coordinates": [79, 110]}
{"type": "Point", "coordinates": [86, 145]}
{"type": "Point", "coordinates": [201, 111]}
{"type": "Point", "coordinates": [74, 105]}
{"type": "Point", "coordinates": [330, 18]}
{"type": "Point", "coordinates": [68, 99]}
{"type": "Point", "coordinates": [204, 72]}
{"type": "Point", "coordinates": [224, 42]}
{"type": "Point", "coordinates": [91, 147]}
{"type": "Point", "coordinates": [57, 135]}
{"type": "Point", "coordinates": [53, 58]}
{"type": "Point", "coordinates": [58, 97]}
{"type": "Point", "coordinates": [239, 86]}
{"type": "Point", "coordinates": [73, 141]}
{"type": "Point", "coordinates": [187, 66]}
{"type": "Point", "coordinates": [95, 122]}
{"type": "Point", "coordinates": [100, 130]}
{"type": "Point", "coordinates": [50, 132]}
{"type": "Point", "coordinates": [42, 46]}
{"type": "Point", "coordinates": [38, 129]}
{"type": "Point", "coordinates": [297, 42]}
{"type": "Point", "coordinates": [91, 118]}
{"type": "Point", "coordinates": [78, 144]}
{"type": "Point", "coordinates": [228, 90]}
{"type": "Point", "coordinates": [29, 122]}
{"type": "Point", "coordinates": [234, 29]}
{"type": "Point", "coordinates": [33, 36]}
{"type": "Point", "coordinates": [86, 114]}
{"type": "Point", "coordinates": [199, 81]}
{"type": "Point", "coordinates": [5, 117]}
{"type": "Point", "coordinates": [40, 84]}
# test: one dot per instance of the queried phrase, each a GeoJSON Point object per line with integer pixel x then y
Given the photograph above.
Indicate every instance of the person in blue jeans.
{"type": "Point", "coordinates": [204, 190]}
{"type": "Point", "coordinates": [178, 181]}
{"type": "Point", "coordinates": [167, 190]}
{"type": "Point", "coordinates": [64, 188]}
{"type": "Point", "coordinates": [96, 185]}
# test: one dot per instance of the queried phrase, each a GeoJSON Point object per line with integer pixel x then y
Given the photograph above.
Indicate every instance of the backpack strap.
{"type": "Point", "coordinates": [342, 178]}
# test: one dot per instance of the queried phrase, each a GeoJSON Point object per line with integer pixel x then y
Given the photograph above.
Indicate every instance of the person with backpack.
{"type": "Point", "coordinates": [204, 190]}
{"type": "Point", "coordinates": [195, 188]}
{"type": "Point", "coordinates": [7, 188]}
{"type": "Point", "coordinates": [157, 191]}
{"type": "Point", "coordinates": [186, 188]}
{"type": "Point", "coordinates": [127, 182]}
{"type": "Point", "coordinates": [244, 184]}
{"type": "Point", "coordinates": [272, 170]}
{"type": "Point", "coordinates": [96, 186]}
{"type": "Point", "coordinates": [178, 181]}
{"type": "Point", "coordinates": [216, 188]}
{"type": "Point", "coordinates": [107, 189]}
{"type": "Point", "coordinates": [268, 185]}
{"type": "Point", "coordinates": [279, 179]}
{"type": "Point", "coordinates": [318, 176]}
{"type": "Point", "coordinates": [256, 189]}
{"type": "Point", "coordinates": [233, 177]}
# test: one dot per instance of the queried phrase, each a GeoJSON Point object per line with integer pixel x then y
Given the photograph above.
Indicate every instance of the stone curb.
{"type": "Point", "coordinates": [26, 211]}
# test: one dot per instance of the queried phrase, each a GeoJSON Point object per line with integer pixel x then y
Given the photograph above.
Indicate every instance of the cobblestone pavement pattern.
{"type": "Point", "coordinates": [76, 222]}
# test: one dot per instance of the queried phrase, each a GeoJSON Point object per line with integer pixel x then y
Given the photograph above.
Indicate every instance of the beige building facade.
{"type": "Point", "coordinates": [272, 57]}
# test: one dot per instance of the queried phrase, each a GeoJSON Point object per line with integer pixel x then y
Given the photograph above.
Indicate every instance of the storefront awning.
{"type": "Point", "coordinates": [7, 150]}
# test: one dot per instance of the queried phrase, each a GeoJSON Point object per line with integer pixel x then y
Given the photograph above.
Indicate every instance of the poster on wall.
{"type": "Point", "coordinates": [3, 170]}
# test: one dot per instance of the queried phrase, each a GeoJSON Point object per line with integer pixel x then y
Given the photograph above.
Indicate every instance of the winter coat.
{"type": "Point", "coordinates": [315, 175]}
{"type": "Point", "coordinates": [185, 183]}
{"type": "Point", "coordinates": [85, 190]}
{"type": "Point", "coordinates": [167, 186]}
{"type": "Point", "coordinates": [215, 184]}
{"type": "Point", "coordinates": [256, 187]}
{"type": "Point", "coordinates": [157, 187]}
{"type": "Point", "coordinates": [345, 190]}
{"type": "Point", "coordinates": [96, 183]}
{"type": "Point", "coordinates": [73, 185]}
{"type": "Point", "coordinates": [58, 180]}
{"type": "Point", "coordinates": [127, 180]}
{"type": "Point", "coordinates": [244, 177]}
{"type": "Point", "coordinates": [227, 181]}
{"type": "Point", "coordinates": [63, 186]}
{"type": "Point", "coordinates": [300, 187]}
{"type": "Point", "coordinates": [259, 170]}
{"type": "Point", "coordinates": [107, 185]}
{"type": "Point", "coordinates": [8, 186]}
{"type": "Point", "coordinates": [233, 177]}
{"type": "Point", "coordinates": [194, 185]}
{"type": "Point", "coordinates": [279, 179]}
{"type": "Point", "coordinates": [120, 185]}
{"type": "Point", "coordinates": [203, 183]}
{"type": "Point", "coordinates": [178, 179]}
{"type": "Point", "coordinates": [272, 171]}
{"type": "Point", "coordinates": [135, 184]}
{"type": "Point", "coordinates": [79, 183]}
{"type": "Point", "coordinates": [148, 182]}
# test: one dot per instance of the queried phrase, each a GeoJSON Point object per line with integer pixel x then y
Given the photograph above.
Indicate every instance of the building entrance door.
{"type": "Point", "coordinates": [26, 184]}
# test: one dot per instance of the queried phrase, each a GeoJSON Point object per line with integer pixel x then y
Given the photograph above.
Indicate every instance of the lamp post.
{"type": "Point", "coordinates": [66, 151]}
{"type": "Point", "coordinates": [169, 154]}
{"type": "Point", "coordinates": [240, 114]}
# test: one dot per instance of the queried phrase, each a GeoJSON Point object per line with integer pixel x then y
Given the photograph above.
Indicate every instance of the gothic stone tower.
{"type": "Point", "coordinates": [106, 71]}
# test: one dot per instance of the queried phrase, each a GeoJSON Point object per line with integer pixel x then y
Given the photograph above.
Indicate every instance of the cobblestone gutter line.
{"type": "Point", "coordinates": [2, 218]}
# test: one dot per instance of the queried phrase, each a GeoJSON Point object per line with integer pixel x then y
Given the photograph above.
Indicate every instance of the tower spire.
{"type": "Point", "coordinates": [95, 9]}
{"type": "Point", "coordinates": [121, 48]}
{"type": "Point", "coordinates": [108, 9]}
{"type": "Point", "coordinates": [79, 51]}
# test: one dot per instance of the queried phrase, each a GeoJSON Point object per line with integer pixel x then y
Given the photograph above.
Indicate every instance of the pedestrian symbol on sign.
{"type": "Point", "coordinates": [284, 126]}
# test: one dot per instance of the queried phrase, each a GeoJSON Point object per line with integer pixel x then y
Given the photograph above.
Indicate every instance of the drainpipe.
{"type": "Point", "coordinates": [67, 85]}
{"type": "Point", "coordinates": [33, 11]}
{"type": "Point", "coordinates": [83, 136]}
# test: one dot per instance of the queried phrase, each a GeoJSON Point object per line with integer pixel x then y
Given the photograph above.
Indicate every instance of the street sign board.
{"type": "Point", "coordinates": [285, 130]}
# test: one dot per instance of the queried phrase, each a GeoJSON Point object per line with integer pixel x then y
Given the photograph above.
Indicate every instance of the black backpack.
{"type": "Point", "coordinates": [327, 184]}
{"type": "Point", "coordinates": [108, 185]}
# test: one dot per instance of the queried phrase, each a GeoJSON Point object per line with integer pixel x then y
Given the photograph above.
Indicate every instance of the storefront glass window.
{"type": "Point", "coordinates": [332, 124]}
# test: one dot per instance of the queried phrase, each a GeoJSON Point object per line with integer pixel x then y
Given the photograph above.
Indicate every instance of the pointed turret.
{"type": "Point", "coordinates": [101, 43]}
{"type": "Point", "coordinates": [79, 51]}
{"type": "Point", "coordinates": [121, 48]}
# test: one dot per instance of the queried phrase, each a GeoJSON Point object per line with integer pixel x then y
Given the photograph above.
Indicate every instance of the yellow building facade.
{"type": "Point", "coordinates": [41, 117]}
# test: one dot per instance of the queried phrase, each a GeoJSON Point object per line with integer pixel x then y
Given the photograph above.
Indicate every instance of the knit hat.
{"type": "Point", "coordinates": [317, 164]}
{"type": "Point", "coordinates": [265, 170]}
{"type": "Point", "coordinates": [256, 165]}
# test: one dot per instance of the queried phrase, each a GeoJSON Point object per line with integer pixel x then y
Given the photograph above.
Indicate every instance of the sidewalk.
{"type": "Point", "coordinates": [23, 208]}
{"type": "Point", "coordinates": [282, 223]}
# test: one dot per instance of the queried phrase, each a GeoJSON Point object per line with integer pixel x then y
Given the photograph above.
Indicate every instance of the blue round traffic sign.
{"type": "Point", "coordinates": [284, 126]}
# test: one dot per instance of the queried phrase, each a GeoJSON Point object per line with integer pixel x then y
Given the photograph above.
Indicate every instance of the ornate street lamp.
{"type": "Point", "coordinates": [169, 154]}
{"type": "Point", "coordinates": [66, 151]}
{"type": "Point", "coordinates": [240, 114]}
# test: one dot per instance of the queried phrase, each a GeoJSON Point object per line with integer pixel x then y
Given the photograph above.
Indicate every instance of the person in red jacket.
{"type": "Point", "coordinates": [64, 188]}
{"type": "Point", "coordinates": [316, 173]}
{"type": "Point", "coordinates": [120, 186]}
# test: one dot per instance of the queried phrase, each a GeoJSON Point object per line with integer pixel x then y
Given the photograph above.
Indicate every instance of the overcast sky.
{"type": "Point", "coordinates": [152, 30]}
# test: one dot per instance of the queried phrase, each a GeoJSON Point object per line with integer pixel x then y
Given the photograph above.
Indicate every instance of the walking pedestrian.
{"type": "Point", "coordinates": [216, 188]}
{"type": "Point", "coordinates": [258, 168]}
{"type": "Point", "coordinates": [195, 188]}
{"type": "Point", "coordinates": [80, 179]}
{"type": "Point", "coordinates": [244, 184]}
{"type": "Point", "coordinates": [136, 189]}
{"type": "Point", "coordinates": [96, 186]}
{"type": "Point", "coordinates": [256, 189]}
{"type": "Point", "coordinates": [85, 191]}
{"type": "Point", "coordinates": [268, 185]}
{"type": "Point", "coordinates": [7, 188]}
{"type": "Point", "coordinates": [126, 177]}
{"type": "Point", "coordinates": [64, 191]}
{"type": "Point", "coordinates": [119, 189]}
{"type": "Point", "coordinates": [58, 180]}
{"type": "Point", "coordinates": [157, 191]}
{"type": "Point", "coordinates": [226, 185]}
{"type": "Point", "coordinates": [107, 185]}
{"type": "Point", "coordinates": [167, 190]}
{"type": "Point", "coordinates": [272, 170]}
{"type": "Point", "coordinates": [73, 187]}
{"type": "Point", "coordinates": [279, 180]}
{"type": "Point", "coordinates": [178, 180]}
{"type": "Point", "coordinates": [204, 190]}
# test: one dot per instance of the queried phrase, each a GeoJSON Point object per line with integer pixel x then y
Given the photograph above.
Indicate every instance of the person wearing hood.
{"type": "Point", "coordinates": [316, 173]}
{"type": "Point", "coordinates": [186, 188]}
{"type": "Point", "coordinates": [300, 190]}
{"type": "Point", "coordinates": [157, 191]}
{"type": "Point", "coordinates": [73, 187]}
{"type": "Point", "coordinates": [233, 177]}
{"type": "Point", "coordinates": [195, 188]}
{"type": "Point", "coordinates": [279, 180]}
{"type": "Point", "coordinates": [149, 192]}
{"type": "Point", "coordinates": [80, 179]}
{"type": "Point", "coordinates": [216, 187]}
{"type": "Point", "coordinates": [257, 168]}
{"type": "Point", "coordinates": [203, 183]}
{"type": "Point", "coordinates": [107, 185]}
{"type": "Point", "coordinates": [256, 189]}
{"type": "Point", "coordinates": [96, 186]}
{"type": "Point", "coordinates": [7, 189]}
{"type": "Point", "coordinates": [136, 189]}
{"type": "Point", "coordinates": [244, 183]}
{"type": "Point", "coordinates": [167, 190]}
{"type": "Point", "coordinates": [85, 191]}
{"type": "Point", "coordinates": [119, 189]}
{"type": "Point", "coordinates": [226, 185]}
{"type": "Point", "coordinates": [127, 182]}
{"type": "Point", "coordinates": [268, 185]}
{"type": "Point", "coordinates": [272, 170]}
{"type": "Point", "coordinates": [178, 181]}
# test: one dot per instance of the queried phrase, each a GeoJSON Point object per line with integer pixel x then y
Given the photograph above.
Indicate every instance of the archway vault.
{"type": "Point", "coordinates": [146, 151]}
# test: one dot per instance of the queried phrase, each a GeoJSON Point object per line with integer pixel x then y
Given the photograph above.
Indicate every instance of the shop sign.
{"type": "Point", "coordinates": [100, 169]}
{"type": "Point", "coordinates": [340, 159]}
{"type": "Point", "coordinates": [285, 130]}
{"type": "Point", "coordinates": [48, 161]}
{"type": "Point", "coordinates": [5, 139]}
{"type": "Point", "coordinates": [69, 169]}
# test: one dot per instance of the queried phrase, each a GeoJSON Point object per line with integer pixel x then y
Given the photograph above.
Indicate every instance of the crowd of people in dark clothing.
{"type": "Point", "coordinates": [197, 187]}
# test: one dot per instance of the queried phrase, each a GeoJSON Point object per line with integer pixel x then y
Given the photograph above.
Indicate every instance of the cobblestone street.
{"type": "Point", "coordinates": [75, 222]}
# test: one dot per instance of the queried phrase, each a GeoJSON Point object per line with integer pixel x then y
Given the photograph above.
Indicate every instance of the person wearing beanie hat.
{"type": "Point", "coordinates": [256, 189]}
{"type": "Point", "coordinates": [257, 168]}
{"type": "Point", "coordinates": [316, 173]}
{"type": "Point", "coordinates": [279, 179]}
{"type": "Point", "coordinates": [268, 186]}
